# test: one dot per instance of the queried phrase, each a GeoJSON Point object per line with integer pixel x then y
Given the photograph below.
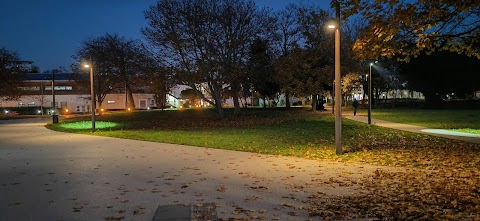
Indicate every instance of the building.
{"type": "Point", "coordinates": [72, 97]}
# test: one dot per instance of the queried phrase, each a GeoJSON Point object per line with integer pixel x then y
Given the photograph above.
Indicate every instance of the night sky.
{"type": "Point", "coordinates": [49, 32]}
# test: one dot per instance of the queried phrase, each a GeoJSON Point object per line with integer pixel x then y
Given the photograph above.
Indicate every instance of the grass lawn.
{"type": "Point", "coordinates": [440, 178]}
{"type": "Point", "coordinates": [467, 121]}
{"type": "Point", "coordinates": [295, 132]}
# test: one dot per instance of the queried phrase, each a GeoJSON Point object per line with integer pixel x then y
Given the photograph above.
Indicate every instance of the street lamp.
{"type": "Point", "coordinates": [338, 92]}
{"type": "Point", "coordinates": [370, 94]}
{"type": "Point", "coordinates": [54, 114]}
{"type": "Point", "coordinates": [92, 95]}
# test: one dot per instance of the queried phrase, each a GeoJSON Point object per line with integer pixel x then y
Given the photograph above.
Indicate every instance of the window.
{"type": "Point", "coordinates": [32, 88]}
{"type": "Point", "coordinates": [110, 102]}
{"type": "Point", "coordinates": [31, 104]}
{"type": "Point", "coordinates": [59, 88]}
{"type": "Point", "coordinates": [63, 104]}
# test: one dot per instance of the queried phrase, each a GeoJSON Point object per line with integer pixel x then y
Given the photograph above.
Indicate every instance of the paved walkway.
{"type": "Point", "coordinates": [48, 175]}
{"type": "Point", "coordinates": [472, 138]}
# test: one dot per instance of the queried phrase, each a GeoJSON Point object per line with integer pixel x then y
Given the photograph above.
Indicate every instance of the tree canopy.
{"type": "Point", "coordinates": [10, 74]}
{"type": "Point", "coordinates": [406, 28]}
{"type": "Point", "coordinates": [118, 62]}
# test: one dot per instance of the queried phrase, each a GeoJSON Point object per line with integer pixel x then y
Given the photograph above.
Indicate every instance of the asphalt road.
{"type": "Point", "coordinates": [47, 175]}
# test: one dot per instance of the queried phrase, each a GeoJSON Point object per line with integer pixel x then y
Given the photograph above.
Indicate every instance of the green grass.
{"type": "Point", "coordinates": [83, 125]}
{"type": "Point", "coordinates": [468, 130]}
{"type": "Point", "coordinates": [289, 133]}
{"type": "Point", "coordinates": [437, 119]}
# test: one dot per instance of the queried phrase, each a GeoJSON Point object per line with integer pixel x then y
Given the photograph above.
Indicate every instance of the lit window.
{"type": "Point", "coordinates": [110, 102]}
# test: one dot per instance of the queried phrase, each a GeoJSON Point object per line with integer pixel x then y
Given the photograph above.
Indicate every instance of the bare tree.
{"type": "Point", "coordinates": [206, 42]}
{"type": "Point", "coordinates": [287, 37]}
{"type": "Point", "coordinates": [118, 64]}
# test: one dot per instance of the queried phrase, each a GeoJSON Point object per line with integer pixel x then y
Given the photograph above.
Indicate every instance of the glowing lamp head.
{"type": "Point", "coordinates": [66, 110]}
{"type": "Point", "coordinates": [332, 24]}
{"type": "Point", "coordinates": [102, 110]}
{"type": "Point", "coordinates": [128, 109]}
{"type": "Point", "coordinates": [86, 66]}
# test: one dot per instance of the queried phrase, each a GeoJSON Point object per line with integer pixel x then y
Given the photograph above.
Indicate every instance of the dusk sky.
{"type": "Point", "coordinates": [49, 32]}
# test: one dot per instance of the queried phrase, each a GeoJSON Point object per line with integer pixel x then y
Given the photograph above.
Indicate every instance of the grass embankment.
{"type": "Point", "coordinates": [440, 181]}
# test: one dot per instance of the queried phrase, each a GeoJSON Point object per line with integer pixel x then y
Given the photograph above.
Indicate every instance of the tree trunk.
{"type": "Point", "coordinates": [386, 97]}
{"type": "Point", "coordinates": [287, 100]}
{"type": "Point", "coordinates": [394, 98]}
{"type": "Point", "coordinates": [236, 104]}
{"type": "Point", "coordinates": [218, 105]}
{"type": "Point", "coordinates": [363, 97]}
{"type": "Point", "coordinates": [131, 101]}
{"type": "Point", "coordinates": [314, 103]}
{"type": "Point", "coordinates": [217, 96]}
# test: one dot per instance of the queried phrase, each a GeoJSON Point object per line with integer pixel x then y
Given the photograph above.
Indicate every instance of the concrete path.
{"type": "Point", "coordinates": [472, 138]}
{"type": "Point", "coordinates": [47, 175]}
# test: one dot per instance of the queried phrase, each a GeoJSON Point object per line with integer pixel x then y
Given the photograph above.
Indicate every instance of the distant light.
{"type": "Point", "coordinates": [39, 111]}
{"type": "Point", "coordinates": [331, 26]}
{"type": "Point", "coordinates": [128, 109]}
{"type": "Point", "coordinates": [66, 110]}
{"type": "Point", "coordinates": [102, 110]}
{"type": "Point", "coordinates": [148, 108]}
{"type": "Point", "coordinates": [371, 64]}
{"type": "Point", "coordinates": [87, 66]}
{"type": "Point", "coordinates": [376, 62]}
{"type": "Point", "coordinates": [6, 111]}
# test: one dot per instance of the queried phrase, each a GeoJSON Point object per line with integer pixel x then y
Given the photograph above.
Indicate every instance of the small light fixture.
{"type": "Point", "coordinates": [332, 24]}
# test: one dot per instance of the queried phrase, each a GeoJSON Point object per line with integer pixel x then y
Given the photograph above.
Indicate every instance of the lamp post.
{"type": "Point", "coordinates": [92, 95]}
{"type": "Point", "coordinates": [370, 94]}
{"type": "Point", "coordinates": [54, 115]}
{"type": "Point", "coordinates": [338, 92]}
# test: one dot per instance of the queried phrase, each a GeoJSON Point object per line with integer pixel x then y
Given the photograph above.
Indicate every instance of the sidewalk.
{"type": "Point", "coordinates": [472, 138]}
{"type": "Point", "coordinates": [48, 175]}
